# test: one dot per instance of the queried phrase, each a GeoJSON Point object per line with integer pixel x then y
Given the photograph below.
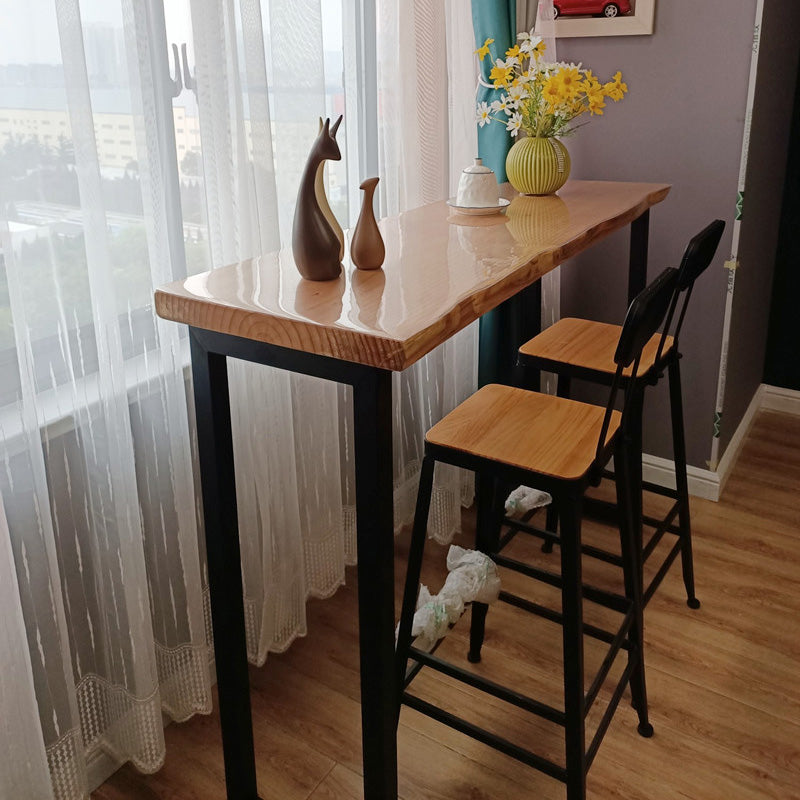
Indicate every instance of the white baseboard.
{"type": "Point", "coordinates": [661, 471]}
{"type": "Point", "coordinates": [737, 440]}
{"type": "Point", "coordinates": [777, 399]}
{"type": "Point", "coordinates": [708, 483]}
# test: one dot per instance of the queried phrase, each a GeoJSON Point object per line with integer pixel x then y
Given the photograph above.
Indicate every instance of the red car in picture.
{"type": "Point", "coordinates": [602, 8]}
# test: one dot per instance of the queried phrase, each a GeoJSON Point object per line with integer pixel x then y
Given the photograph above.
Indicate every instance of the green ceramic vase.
{"type": "Point", "coordinates": [537, 165]}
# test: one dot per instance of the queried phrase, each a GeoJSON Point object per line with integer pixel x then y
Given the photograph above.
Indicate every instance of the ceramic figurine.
{"type": "Point", "coordinates": [315, 245]}
{"type": "Point", "coordinates": [366, 248]}
{"type": "Point", "coordinates": [322, 199]}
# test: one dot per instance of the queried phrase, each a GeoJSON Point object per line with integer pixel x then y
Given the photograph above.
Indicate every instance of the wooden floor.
{"type": "Point", "coordinates": [723, 682]}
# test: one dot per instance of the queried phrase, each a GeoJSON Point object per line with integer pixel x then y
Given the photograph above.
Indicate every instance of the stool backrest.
{"type": "Point", "coordinates": [697, 257]}
{"type": "Point", "coordinates": [699, 254]}
{"type": "Point", "coordinates": [645, 317]}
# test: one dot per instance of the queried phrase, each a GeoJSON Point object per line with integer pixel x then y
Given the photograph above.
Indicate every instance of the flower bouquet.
{"type": "Point", "coordinates": [543, 99]}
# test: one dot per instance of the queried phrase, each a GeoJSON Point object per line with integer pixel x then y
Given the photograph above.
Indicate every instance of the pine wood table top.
{"type": "Point", "coordinates": [442, 271]}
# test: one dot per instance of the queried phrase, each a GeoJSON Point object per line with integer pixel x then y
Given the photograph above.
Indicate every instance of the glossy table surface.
{"type": "Point", "coordinates": [442, 271]}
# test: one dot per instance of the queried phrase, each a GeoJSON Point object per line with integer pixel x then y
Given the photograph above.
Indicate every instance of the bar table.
{"type": "Point", "coordinates": [442, 272]}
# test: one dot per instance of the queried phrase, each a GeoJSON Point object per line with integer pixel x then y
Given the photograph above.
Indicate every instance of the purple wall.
{"type": "Point", "coordinates": [681, 123]}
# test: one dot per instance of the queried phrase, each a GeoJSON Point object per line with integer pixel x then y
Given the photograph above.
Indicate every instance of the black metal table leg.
{"type": "Point", "coordinates": [637, 264]}
{"type": "Point", "coordinates": [215, 446]}
{"type": "Point", "coordinates": [502, 331]}
{"type": "Point", "coordinates": [372, 412]}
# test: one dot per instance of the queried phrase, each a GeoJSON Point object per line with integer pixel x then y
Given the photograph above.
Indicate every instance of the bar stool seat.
{"type": "Point", "coordinates": [536, 432]}
{"type": "Point", "coordinates": [588, 345]}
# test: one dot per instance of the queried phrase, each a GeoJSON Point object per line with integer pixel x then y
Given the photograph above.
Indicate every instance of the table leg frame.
{"type": "Point", "coordinates": [372, 395]}
{"type": "Point", "coordinates": [215, 448]}
{"type": "Point", "coordinates": [637, 264]}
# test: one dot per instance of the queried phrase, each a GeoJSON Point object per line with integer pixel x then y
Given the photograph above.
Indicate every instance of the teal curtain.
{"type": "Point", "coordinates": [495, 19]}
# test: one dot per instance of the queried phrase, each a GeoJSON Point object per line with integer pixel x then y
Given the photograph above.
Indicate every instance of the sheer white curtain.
{"type": "Point", "coordinates": [101, 565]}
{"type": "Point", "coordinates": [426, 136]}
{"type": "Point", "coordinates": [97, 481]}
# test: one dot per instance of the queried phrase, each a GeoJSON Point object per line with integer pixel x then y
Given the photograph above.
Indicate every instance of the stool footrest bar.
{"type": "Point", "coordinates": [556, 616]}
{"type": "Point", "coordinates": [490, 687]}
{"type": "Point", "coordinates": [661, 528]}
{"type": "Point", "coordinates": [659, 576]}
{"type": "Point", "coordinates": [613, 650]}
{"type": "Point", "coordinates": [486, 737]}
{"type": "Point", "coordinates": [608, 714]}
{"type": "Point", "coordinates": [531, 530]}
{"type": "Point", "coordinates": [615, 602]}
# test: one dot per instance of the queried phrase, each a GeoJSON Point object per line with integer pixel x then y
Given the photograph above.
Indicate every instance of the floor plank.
{"type": "Point", "coordinates": [722, 681]}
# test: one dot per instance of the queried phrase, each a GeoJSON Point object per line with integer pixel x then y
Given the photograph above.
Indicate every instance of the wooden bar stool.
{"type": "Point", "coordinates": [508, 435]}
{"type": "Point", "coordinates": [584, 350]}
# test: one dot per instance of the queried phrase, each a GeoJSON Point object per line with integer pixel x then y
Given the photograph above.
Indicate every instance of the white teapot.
{"type": "Point", "coordinates": [477, 187]}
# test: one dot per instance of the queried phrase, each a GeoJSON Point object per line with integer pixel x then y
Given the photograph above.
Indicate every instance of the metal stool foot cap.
{"type": "Point", "coordinates": [645, 729]}
{"type": "Point", "coordinates": [474, 658]}
{"type": "Point", "coordinates": [693, 602]}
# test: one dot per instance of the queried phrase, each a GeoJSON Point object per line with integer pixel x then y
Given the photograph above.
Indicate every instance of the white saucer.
{"type": "Point", "coordinates": [480, 211]}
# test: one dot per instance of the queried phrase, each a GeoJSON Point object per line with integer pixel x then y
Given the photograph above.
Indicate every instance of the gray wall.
{"type": "Point", "coordinates": [681, 123]}
{"type": "Point", "coordinates": [766, 165]}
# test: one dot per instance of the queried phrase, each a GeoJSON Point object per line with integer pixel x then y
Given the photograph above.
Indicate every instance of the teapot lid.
{"type": "Point", "coordinates": [478, 168]}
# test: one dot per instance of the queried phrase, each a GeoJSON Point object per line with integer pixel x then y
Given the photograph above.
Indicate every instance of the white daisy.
{"type": "Point", "coordinates": [516, 94]}
{"type": "Point", "coordinates": [483, 115]}
{"type": "Point", "coordinates": [530, 44]}
{"type": "Point", "coordinates": [514, 124]}
{"type": "Point", "coordinates": [503, 103]}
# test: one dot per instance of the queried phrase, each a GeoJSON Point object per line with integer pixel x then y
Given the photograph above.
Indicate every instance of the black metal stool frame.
{"type": "Point", "coordinates": [697, 257]}
{"type": "Point", "coordinates": [493, 478]}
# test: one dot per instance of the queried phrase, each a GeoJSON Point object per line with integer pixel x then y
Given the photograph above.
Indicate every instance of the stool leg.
{"type": "Point", "coordinates": [681, 482]}
{"type": "Point", "coordinates": [630, 532]}
{"type": "Point", "coordinates": [569, 508]}
{"type": "Point", "coordinates": [415, 553]}
{"type": "Point", "coordinates": [489, 518]}
{"type": "Point", "coordinates": [551, 523]}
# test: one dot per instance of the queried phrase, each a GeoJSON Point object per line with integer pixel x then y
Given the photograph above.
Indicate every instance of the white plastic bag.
{"type": "Point", "coordinates": [524, 499]}
{"type": "Point", "coordinates": [472, 577]}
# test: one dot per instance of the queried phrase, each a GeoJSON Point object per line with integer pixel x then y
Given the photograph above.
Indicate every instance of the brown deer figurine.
{"type": "Point", "coordinates": [315, 245]}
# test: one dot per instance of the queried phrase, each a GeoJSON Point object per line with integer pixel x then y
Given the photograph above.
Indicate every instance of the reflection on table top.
{"type": "Point", "coordinates": [442, 271]}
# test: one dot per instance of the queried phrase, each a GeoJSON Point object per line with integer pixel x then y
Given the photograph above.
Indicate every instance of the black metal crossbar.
{"type": "Point", "coordinates": [486, 737]}
{"type": "Point", "coordinates": [554, 616]}
{"type": "Point", "coordinates": [490, 687]}
{"type": "Point", "coordinates": [609, 713]}
{"type": "Point", "coordinates": [605, 667]}
{"type": "Point", "coordinates": [615, 602]}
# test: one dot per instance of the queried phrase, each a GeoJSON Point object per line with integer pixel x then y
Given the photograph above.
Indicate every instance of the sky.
{"type": "Point", "coordinates": [29, 32]}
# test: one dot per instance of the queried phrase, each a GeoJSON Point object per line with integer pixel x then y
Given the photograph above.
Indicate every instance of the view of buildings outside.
{"type": "Point", "coordinates": [40, 207]}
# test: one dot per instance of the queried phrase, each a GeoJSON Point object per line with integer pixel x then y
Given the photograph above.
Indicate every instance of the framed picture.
{"type": "Point", "coordinates": [600, 18]}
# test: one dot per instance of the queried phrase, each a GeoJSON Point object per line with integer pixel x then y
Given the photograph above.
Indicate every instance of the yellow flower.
{"type": "Point", "coordinates": [500, 74]}
{"type": "Point", "coordinates": [570, 80]}
{"type": "Point", "coordinates": [596, 103]}
{"type": "Point", "coordinates": [537, 51]}
{"type": "Point", "coordinates": [482, 52]}
{"type": "Point", "coordinates": [552, 92]}
{"type": "Point", "coordinates": [513, 52]}
{"type": "Point", "coordinates": [615, 88]}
